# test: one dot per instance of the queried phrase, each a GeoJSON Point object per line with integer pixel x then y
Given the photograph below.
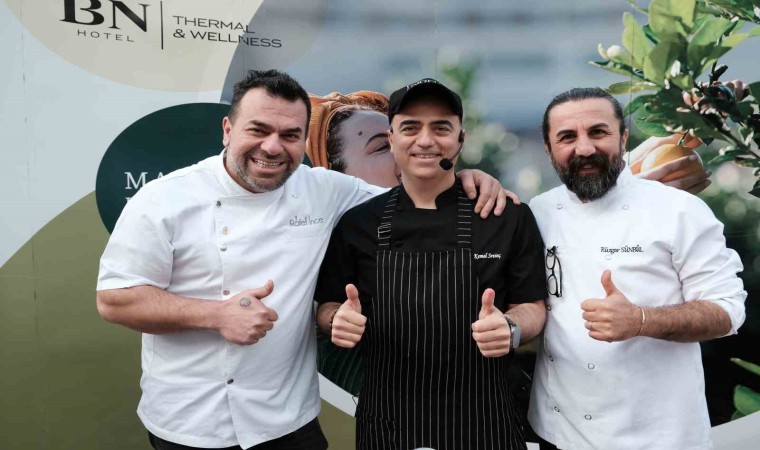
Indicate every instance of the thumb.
{"type": "Point", "coordinates": [487, 303]}
{"type": "Point", "coordinates": [609, 286]}
{"type": "Point", "coordinates": [263, 291]}
{"type": "Point", "coordinates": [352, 294]}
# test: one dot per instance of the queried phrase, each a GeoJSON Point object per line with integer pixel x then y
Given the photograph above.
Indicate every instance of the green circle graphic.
{"type": "Point", "coordinates": [159, 143]}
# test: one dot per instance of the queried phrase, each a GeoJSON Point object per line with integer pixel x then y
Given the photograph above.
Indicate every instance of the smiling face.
{"type": "Point", "coordinates": [365, 148]}
{"type": "Point", "coordinates": [265, 141]}
{"type": "Point", "coordinates": [586, 147]}
{"type": "Point", "coordinates": [425, 131]}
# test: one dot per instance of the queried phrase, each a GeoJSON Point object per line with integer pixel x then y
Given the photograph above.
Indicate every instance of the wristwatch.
{"type": "Point", "coordinates": [514, 329]}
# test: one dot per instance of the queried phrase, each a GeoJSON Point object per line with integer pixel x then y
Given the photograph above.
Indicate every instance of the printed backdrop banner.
{"type": "Point", "coordinates": [103, 96]}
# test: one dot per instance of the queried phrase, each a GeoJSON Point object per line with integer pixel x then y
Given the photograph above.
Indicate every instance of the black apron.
{"type": "Point", "coordinates": [426, 383]}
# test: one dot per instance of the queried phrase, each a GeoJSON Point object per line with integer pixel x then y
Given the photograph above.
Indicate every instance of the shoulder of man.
{"type": "Point", "coordinates": [202, 168]}
{"type": "Point", "coordinates": [668, 199]}
{"type": "Point", "coordinates": [545, 200]}
{"type": "Point", "coordinates": [370, 209]}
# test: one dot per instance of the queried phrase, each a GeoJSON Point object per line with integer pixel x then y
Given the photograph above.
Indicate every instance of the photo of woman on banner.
{"type": "Point", "coordinates": [347, 133]}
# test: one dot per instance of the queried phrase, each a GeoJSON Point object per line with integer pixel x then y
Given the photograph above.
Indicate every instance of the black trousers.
{"type": "Point", "coordinates": [308, 437]}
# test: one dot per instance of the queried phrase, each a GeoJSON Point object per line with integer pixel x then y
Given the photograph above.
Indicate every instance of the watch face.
{"type": "Point", "coordinates": [515, 341]}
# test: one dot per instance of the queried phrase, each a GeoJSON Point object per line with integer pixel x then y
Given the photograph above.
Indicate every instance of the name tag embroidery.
{"type": "Point", "coordinates": [305, 221]}
{"type": "Point", "coordinates": [624, 249]}
{"type": "Point", "coordinates": [487, 255]}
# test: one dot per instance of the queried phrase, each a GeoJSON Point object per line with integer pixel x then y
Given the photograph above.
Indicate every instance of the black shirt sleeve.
{"type": "Point", "coordinates": [338, 266]}
{"type": "Point", "coordinates": [525, 273]}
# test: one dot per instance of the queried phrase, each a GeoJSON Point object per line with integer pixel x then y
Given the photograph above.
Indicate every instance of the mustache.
{"type": "Point", "coordinates": [577, 162]}
{"type": "Point", "coordinates": [261, 154]}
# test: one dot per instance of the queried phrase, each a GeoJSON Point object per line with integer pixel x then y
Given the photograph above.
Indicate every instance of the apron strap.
{"type": "Point", "coordinates": [384, 230]}
{"type": "Point", "coordinates": [465, 208]}
{"type": "Point", "coordinates": [464, 218]}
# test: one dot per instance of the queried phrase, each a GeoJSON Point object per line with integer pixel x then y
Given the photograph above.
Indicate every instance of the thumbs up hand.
{"type": "Point", "coordinates": [613, 318]}
{"type": "Point", "coordinates": [491, 330]}
{"type": "Point", "coordinates": [348, 323]}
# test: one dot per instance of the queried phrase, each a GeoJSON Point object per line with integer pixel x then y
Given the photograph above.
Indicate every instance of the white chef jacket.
{"type": "Point", "coordinates": [197, 233]}
{"type": "Point", "coordinates": [664, 247]}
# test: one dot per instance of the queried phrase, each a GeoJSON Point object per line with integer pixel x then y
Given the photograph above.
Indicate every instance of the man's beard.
{"type": "Point", "coordinates": [593, 186]}
{"type": "Point", "coordinates": [261, 184]}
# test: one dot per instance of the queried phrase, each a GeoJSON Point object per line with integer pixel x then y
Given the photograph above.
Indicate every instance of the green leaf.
{"type": "Point", "coordinates": [734, 40]}
{"type": "Point", "coordinates": [726, 154]}
{"type": "Point", "coordinates": [618, 68]}
{"type": "Point", "coordinates": [650, 34]}
{"type": "Point", "coordinates": [684, 82]}
{"type": "Point", "coordinates": [746, 400]}
{"type": "Point", "coordinates": [744, 9]}
{"type": "Point", "coordinates": [669, 17]}
{"type": "Point", "coordinates": [658, 61]}
{"type": "Point", "coordinates": [754, 89]}
{"type": "Point", "coordinates": [747, 161]}
{"type": "Point", "coordinates": [637, 103]}
{"type": "Point", "coordinates": [634, 40]}
{"type": "Point", "coordinates": [744, 109]}
{"type": "Point", "coordinates": [736, 415]}
{"type": "Point", "coordinates": [710, 31]}
{"type": "Point", "coordinates": [754, 368]}
{"type": "Point", "coordinates": [715, 53]}
{"type": "Point", "coordinates": [651, 128]}
{"type": "Point", "coordinates": [704, 40]}
{"type": "Point", "coordinates": [627, 87]}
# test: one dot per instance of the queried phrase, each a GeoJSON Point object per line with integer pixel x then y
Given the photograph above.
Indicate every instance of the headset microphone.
{"type": "Point", "coordinates": [447, 163]}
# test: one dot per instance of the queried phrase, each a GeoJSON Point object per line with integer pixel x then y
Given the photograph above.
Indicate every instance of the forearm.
{"type": "Point", "coordinates": [325, 313]}
{"type": "Point", "coordinates": [530, 317]}
{"type": "Point", "coordinates": [691, 322]}
{"type": "Point", "coordinates": [152, 310]}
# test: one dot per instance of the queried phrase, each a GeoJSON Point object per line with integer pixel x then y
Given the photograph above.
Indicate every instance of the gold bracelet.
{"type": "Point", "coordinates": [643, 321]}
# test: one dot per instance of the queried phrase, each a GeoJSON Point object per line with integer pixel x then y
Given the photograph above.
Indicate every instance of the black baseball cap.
{"type": "Point", "coordinates": [424, 86]}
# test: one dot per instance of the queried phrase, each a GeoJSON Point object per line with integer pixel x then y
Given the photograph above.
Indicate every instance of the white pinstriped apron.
{"type": "Point", "coordinates": [426, 383]}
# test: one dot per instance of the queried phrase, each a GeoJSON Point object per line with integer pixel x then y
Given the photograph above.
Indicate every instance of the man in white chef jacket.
{"type": "Point", "coordinates": [638, 274]}
{"type": "Point", "coordinates": [216, 264]}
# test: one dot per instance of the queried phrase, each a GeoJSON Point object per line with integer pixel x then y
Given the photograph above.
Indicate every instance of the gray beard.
{"type": "Point", "coordinates": [594, 186]}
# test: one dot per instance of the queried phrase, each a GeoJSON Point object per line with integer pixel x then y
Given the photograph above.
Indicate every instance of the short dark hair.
{"type": "Point", "coordinates": [276, 83]}
{"type": "Point", "coordinates": [578, 94]}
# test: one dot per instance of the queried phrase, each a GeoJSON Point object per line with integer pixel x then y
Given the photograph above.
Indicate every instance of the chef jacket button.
{"type": "Point", "coordinates": [548, 307]}
{"type": "Point", "coordinates": [551, 358]}
{"type": "Point", "coordinates": [223, 247]}
{"type": "Point", "coordinates": [556, 409]}
{"type": "Point", "coordinates": [559, 205]}
{"type": "Point", "coordinates": [587, 416]}
{"type": "Point", "coordinates": [230, 381]}
{"type": "Point", "coordinates": [608, 257]}
{"type": "Point", "coordinates": [625, 207]}
{"type": "Point", "coordinates": [591, 366]}
{"type": "Point", "coordinates": [226, 292]}
{"type": "Point", "coordinates": [225, 230]}
{"type": "Point", "coordinates": [218, 203]}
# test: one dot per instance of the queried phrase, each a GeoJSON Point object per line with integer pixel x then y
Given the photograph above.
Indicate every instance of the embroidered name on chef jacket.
{"type": "Point", "coordinates": [305, 221]}
{"type": "Point", "coordinates": [487, 255]}
{"type": "Point", "coordinates": [624, 249]}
